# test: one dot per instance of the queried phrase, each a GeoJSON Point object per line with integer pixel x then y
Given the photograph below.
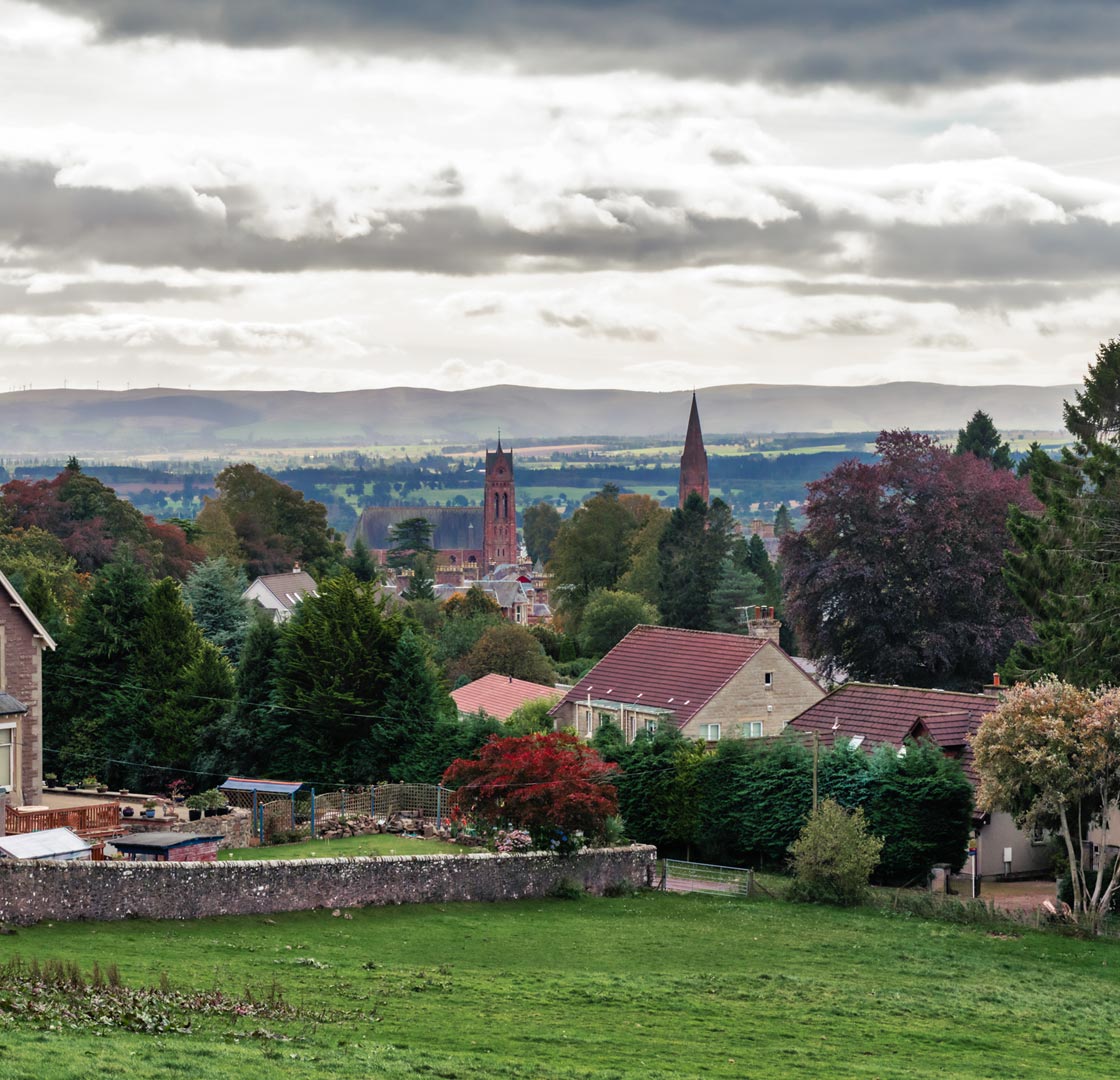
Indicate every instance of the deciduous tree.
{"type": "Point", "coordinates": [553, 785]}
{"type": "Point", "coordinates": [539, 525]}
{"type": "Point", "coordinates": [1049, 754]}
{"type": "Point", "coordinates": [609, 617]}
{"type": "Point", "coordinates": [896, 576]}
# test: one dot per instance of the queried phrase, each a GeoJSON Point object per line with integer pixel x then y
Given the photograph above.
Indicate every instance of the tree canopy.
{"type": "Point", "coordinates": [1066, 569]}
{"type": "Point", "coordinates": [1049, 754]}
{"type": "Point", "coordinates": [981, 439]}
{"type": "Point", "coordinates": [896, 576]}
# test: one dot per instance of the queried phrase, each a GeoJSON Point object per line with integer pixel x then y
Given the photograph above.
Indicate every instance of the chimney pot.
{"type": "Point", "coordinates": [995, 678]}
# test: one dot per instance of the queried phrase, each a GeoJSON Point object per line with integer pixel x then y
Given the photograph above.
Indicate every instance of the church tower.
{"type": "Point", "coordinates": [499, 541]}
{"type": "Point", "coordinates": [694, 460]}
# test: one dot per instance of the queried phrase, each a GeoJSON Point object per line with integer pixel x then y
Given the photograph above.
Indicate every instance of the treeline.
{"type": "Point", "coordinates": [745, 804]}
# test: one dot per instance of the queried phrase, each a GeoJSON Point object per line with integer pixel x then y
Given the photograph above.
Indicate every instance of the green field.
{"type": "Point", "coordinates": [376, 844]}
{"type": "Point", "coordinates": [649, 986]}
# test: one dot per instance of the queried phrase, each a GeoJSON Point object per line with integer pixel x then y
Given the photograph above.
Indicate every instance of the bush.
{"type": "Point", "coordinates": [1065, 887]}
{"type": "Point", "coordinates": [833, 857]}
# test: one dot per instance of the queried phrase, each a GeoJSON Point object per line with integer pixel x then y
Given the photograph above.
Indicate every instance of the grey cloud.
{"type": "Point", "coordinates": [158, 227]}
{"type": "Point", "coordinates": [995, 295]}
{"type": "Point", "coordinates": [869, 42]}
{"type": "Point", "coordinates": [87, 297]}
{"type": "Point", "coordinates": [587, 326]}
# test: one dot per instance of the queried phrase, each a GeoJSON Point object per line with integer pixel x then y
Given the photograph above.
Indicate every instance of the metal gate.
{"type": "Point", "coordinates": [680, 876]}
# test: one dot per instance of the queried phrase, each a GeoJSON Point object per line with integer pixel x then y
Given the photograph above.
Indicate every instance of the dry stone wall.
{"type": "Point", "coordinates": [32, 892]}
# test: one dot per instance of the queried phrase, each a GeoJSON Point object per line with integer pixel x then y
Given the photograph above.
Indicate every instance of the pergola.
{"type": "Point", "coordinates": [252, 794]}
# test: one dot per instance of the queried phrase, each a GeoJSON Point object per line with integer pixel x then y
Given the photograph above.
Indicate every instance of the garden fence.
{"type": "Point", "coordinates": [309, 812]}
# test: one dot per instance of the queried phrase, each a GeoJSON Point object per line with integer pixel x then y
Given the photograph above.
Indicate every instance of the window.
{"type": "Point", "coordinates": [751, 729]}
{"type": "Point", "coordinates": [855, 742]}
{"type": "Point", "coordinates": [709, 732]}
{"type": "Point", "coordinates": [651, 726]}
{"type": "Point", "coordinates": [1038, 836]}
{"type": "Point", "coordinates": [605, 718]}
{"type": "Point", "coordinates": [768, 680]}
{"type": "Point", "coordinates": [7, 737]}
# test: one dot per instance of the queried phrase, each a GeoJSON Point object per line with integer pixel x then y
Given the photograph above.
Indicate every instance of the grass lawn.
{"type": "Point", "coordinates": [375, 844]}
{"type": "Point", "coordinates": [644, 987]}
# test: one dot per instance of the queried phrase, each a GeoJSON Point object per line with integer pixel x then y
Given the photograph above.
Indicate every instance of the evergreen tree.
{"type": "Point", "coordinates": [334, 668]}
{"type": "Point", "coordinates": [252, 741]}
{"type": "Point", "coordinates": [690, 559]}
{"type": "Point", "coordinates": [410, 538]}
{"type": "Point", "coordinates": [1066, 573]}
{"type": "Point", "coordinates": [213, 593]}
{"type": "Point", "coordinates": [981, 439]}
{"type": "Point", "coordinates": [783, 523]}
{"type": "Point", "coordinates": [360, 563]}
{"type": "Point", "coordinates": [415, 703]}
{"type": "Point", "coordinates": [736, 588]}
{"type": "Point", "coordinates": [90, 667]}
{"type": "Point", "coordinates": [153, 723]}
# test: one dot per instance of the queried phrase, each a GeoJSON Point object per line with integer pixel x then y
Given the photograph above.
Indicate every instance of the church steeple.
{"type": "Point", "coordinates": [499, 539]}
{"type": "Point", "coordinates": [694, 460]}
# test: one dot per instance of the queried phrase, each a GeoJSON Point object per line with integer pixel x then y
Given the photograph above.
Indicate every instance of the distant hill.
{"type": "Point", "coordinates": [164, 421]}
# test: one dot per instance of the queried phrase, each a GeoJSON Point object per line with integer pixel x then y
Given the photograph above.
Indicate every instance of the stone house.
{"type": "Point", "coordinates": [22, 641]}
{"type": "Point", "coordinates": [279, 593]}
{"type": "Point", "coordinates": [868, 715]}
{"type": "Point", "coordinates": [712, 686]}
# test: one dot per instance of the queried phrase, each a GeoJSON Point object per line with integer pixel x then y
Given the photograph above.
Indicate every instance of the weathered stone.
{"type": "Point", "coordinates": [36, 891]}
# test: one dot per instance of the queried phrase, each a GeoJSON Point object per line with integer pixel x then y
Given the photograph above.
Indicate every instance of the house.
{"type": "Point", "coordinates": [712, 686]}
{"type": "Point", "coordinates": [22, 641]}
{"type": "Point", "coordinates": [868, 715]}
{"type": "Point", "coordinates": [499, 695]}
{"type": "Point", "coordinates": [279, 593]}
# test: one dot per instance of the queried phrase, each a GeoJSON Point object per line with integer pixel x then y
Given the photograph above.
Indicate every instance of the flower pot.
{"type": "Point", "coordinates": [127, 811]}
{"type": "Point", "coordinates": [71, 787]}
{"type": "Point", "coordinates": [102, 788]}
{"type": "Point", "coordinates": [149, 813]}
{"type": "Point", "coordinates": [193, 814]}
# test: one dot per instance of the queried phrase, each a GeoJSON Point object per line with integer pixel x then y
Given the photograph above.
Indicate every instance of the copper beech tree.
{"type": "Point", "coordinates": [552, 785]}
{"type": "Point", "coordinates": [1050, 756]}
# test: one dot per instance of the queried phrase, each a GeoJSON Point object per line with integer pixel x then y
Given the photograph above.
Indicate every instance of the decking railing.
{"type": "Point", "coordinates": [90, 822]}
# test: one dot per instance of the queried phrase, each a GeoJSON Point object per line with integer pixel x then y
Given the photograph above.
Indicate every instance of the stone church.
{"type": "Point", "coordinates": [468, 538]}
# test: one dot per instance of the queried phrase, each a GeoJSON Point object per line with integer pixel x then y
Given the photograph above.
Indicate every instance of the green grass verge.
{"type": "Point", "coordinates": [376, 844]}
{"type": "Point", "coordinates": [642, 987]}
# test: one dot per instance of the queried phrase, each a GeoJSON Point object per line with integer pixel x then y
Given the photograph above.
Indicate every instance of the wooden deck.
{"type": "Point", "coordinates": [92, 821]}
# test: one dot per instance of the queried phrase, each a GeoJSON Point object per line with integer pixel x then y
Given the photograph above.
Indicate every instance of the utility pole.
{"type": "Point", "coordinates": [816, 754]}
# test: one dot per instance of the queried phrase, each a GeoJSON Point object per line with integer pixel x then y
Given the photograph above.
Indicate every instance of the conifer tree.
{"type": "Point", "coordinates": [213, 593]}
{"type": "Point", "coordinates": [981, 439]}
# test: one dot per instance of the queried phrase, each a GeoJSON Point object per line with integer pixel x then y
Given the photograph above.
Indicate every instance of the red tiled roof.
{"type": "Point", "coordinates": [888, 714]}
{"type": "Point", "coordinates": [678, 671]}
{"type": "Point", "coordinates": [499, 695]}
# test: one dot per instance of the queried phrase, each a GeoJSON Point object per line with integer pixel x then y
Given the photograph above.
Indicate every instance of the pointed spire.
{"type": "Point", "coordinates": [694, 460]}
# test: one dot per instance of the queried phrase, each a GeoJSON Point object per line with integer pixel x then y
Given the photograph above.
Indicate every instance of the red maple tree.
{"type": "Point", "coordinates": [552, 785]}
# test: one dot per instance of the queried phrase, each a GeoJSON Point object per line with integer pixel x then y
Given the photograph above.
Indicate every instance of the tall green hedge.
{"type": "Point", "coordinates": [746, 802]}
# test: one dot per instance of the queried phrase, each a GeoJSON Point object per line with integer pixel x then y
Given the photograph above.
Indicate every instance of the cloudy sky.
{"type": "Point", "coordinates": [654, 194]}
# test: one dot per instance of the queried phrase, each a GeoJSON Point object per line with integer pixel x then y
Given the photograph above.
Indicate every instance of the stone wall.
{"type": "Point", "coordinates": [34, 891]}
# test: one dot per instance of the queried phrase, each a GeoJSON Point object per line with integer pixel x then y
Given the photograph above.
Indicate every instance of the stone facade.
{"type": "Point", "coordinates": [32, 892]}
{"type": "Point", "coordinates": [500, 505]}
{"type": "Point", "coordinates": [22, 640]}
{"type": "Point", "coordinates": [769, 690]}
{"type": "Point", "coordinates": [694, 461]}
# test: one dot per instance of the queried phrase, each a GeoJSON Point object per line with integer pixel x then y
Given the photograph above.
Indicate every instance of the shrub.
{"type": "Point", "coordinates": [1065, 887]}
{"type": "Point", "coordinates": [833, 857]}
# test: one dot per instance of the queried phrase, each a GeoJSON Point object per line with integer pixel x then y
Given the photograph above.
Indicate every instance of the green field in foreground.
{"type": "Point", "coordinates": [375, 844]}
{"type": "Point", "coordinates": [649, 986]}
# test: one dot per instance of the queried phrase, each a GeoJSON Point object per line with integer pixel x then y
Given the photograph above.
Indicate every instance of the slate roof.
{"type": "Point", "coordinates": [670, 670]}
{"type": "Point", "coordinates": [10, 706]}
{"type": "Point", "coordinates": [499, 695]}
{"type": "Point", "coordinates": [454, 528]}
{"type": "Point", "coordinates": [289, 589]}
{"type": "Point", "coordinates": [890, 714]}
